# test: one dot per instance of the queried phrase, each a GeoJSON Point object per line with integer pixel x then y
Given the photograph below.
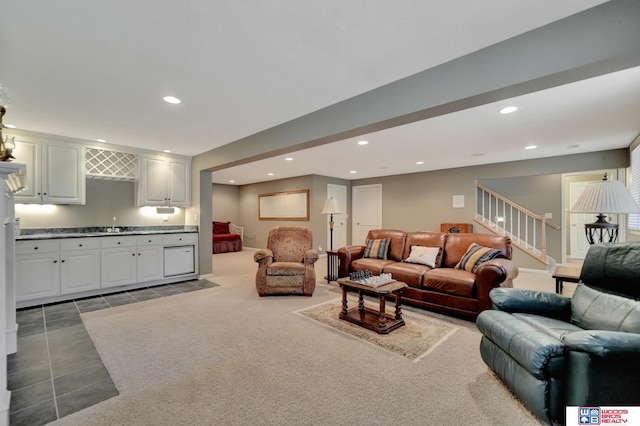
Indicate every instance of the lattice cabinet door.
{"type": "Point", "coordinates": [111, 165]}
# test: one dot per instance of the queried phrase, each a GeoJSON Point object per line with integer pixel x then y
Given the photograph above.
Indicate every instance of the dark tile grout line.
{"type": "Point", "coordinates": [177, 289]}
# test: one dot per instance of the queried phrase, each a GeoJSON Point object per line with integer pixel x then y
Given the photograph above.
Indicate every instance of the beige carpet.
{"type": "Point", "coordinates": [414, 340]}
{"type": "Point", "coordinates": [224, 356]}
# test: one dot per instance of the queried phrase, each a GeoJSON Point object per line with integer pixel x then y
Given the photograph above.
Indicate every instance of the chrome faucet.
{"type": "Point", "coordinates": [113, 227]}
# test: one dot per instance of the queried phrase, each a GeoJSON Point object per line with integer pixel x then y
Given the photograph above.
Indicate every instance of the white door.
{"type": "Point", "coordinates": [338, 193]}
{"type": "Point", "coordinates": [366, 211]}
{"type": "Point", "coordinates": [579, 244]}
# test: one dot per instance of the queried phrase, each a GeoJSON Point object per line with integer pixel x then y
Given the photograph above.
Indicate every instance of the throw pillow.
{"type": "Point", "coordinates": [221, 227]}
{"type": "Point", "coordinates": [475, 255]}
{"type": "Point", "coordinates": [377, 249]}
{"type": "Point", "coordinates": [424, 255]}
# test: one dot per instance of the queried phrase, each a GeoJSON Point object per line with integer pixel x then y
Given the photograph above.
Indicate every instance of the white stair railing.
{"type": "Point", "coordinates": [527, 230]}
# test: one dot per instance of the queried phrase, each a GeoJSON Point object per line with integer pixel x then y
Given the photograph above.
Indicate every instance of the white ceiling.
{"type": "Point", "coordinates": [93, 69]}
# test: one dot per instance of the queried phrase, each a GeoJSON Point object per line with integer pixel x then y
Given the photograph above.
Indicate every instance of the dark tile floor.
{"type": "Point", "coordinates": [57, 370]}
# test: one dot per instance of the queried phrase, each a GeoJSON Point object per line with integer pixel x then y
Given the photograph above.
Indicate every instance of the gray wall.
{"type": "Point", "coordinates": [105, 199]}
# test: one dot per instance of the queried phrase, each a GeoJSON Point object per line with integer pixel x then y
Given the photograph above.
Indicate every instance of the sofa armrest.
{"type": "Point", "coordinates": [491, 274]}
{"type": "Point", "coordinates": [603, 343]}
{"type": "Point", "coordinates": [533, 302]}
{"type": "Point", "coordinates": [263, 256]}
{"type": "Point", "coordinates": [346, 255]}
{"type": "Point", "coordinates": [311, 256]}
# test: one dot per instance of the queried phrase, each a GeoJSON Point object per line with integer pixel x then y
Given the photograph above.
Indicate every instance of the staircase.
{"type": "Point", "coordinates": [526, 229]}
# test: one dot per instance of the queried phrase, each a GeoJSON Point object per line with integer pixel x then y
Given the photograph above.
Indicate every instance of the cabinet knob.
{"type": "Point", "coordinates": [133, 254]}
{"type": "Point", "coordinates": [149, 240]}
{"type": "Point", "coordinates": [118, 242]}
{"type": "Point", "coordinates": [62, 260]}
{"type": "Point", "coordinates": [55, 261]}
{"type": "Point", "coordinates": [35, 248]}
{"type": "Point", "coordinates": [79, 245]}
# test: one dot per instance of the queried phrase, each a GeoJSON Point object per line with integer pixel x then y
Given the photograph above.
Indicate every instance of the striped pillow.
{"type": "Point", "coordinates": [475, 255]}
{"type": "Point", "coordinates": [377, 249]}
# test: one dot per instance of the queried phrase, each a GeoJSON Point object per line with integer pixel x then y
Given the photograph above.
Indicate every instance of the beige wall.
{"type": "Point", "coordinates": [422, 201]}
{"type": "Point", "coordinates": [224, 204]}
{"type": "Point", "coordinates": [105, 199]}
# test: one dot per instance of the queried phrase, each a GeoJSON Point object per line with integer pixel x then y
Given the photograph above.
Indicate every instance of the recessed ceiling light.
{"type": "Point", "coordinates": [269, 174]}
{"type": "Point", "coordinates": [531, 147]}
{"type": "Point", "coordinates": [10, 126]}
{"type": "Point", "coordinates": [172, 99]}
{"type": "Point", "coordinates": [477, 154]}
{"type": "Point", "coordinates": [289, 159]}
{"type": "Point", "coordinates": [232, 181]}
{"type": "Point", "coordinates": [508, 110]}
{"type": "Point", "coordinates": [353, 172]}
{"type": "Point", "coordinates": [101, 140]}
{"type": "Point", "coordinates": [419, 162]}
{"type": "Point", "coordinates": [363, 142]}
{"type": "Point", "coordinates": [574, 146]}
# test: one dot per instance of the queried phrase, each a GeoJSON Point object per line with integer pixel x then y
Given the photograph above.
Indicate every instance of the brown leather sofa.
{"type": "Point", "coordinates": [443, 287]}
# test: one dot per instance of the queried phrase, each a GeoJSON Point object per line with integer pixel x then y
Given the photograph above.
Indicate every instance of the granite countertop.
{"type": "Point", "coordinates": [51, 233]}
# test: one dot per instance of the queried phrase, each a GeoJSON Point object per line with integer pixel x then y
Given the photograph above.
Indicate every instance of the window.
{"type": "Point", "coordinates": [634, 219]}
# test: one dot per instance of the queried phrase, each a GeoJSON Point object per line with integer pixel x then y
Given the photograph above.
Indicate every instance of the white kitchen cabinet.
{"type": "Point", "coordinates": [55, 171]}
{"type": "Point", "coordinates": [119, 261]}
{"type": "Point", "coordinates": [37, 269]}
{"type": "Point", "coordinates": [79, 265]}
{"type": "Point", "coordinates": [149, 258]}
{"type": "Point", "coordinates": [164, 181]}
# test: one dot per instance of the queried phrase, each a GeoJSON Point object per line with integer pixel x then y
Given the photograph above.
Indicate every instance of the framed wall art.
{"type": "Point", "coordinates": [289, 205]}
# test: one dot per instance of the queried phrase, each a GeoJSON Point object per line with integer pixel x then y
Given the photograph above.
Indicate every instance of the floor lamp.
{"type": "Point", "coordinates": [602, 198]}
{"type": "Point", "coordinates": [331, 207]}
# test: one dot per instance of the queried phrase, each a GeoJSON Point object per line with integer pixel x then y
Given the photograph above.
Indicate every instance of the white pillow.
{"type": "Point", "coordinates": [424, 255]}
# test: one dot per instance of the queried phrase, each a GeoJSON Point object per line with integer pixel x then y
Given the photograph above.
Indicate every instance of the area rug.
{"type": "Point", "coordinates": [419, 336]}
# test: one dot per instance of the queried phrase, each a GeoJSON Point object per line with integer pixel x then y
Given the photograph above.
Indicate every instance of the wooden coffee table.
{"type": "Point", "coordinates": [375, 320]}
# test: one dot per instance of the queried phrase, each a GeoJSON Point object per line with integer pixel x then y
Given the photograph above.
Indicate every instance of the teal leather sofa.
{"type": "Point", "coordinates": [554, 351]}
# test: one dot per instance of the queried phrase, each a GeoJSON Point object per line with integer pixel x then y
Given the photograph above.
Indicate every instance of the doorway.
{"type": "Point", "coordinates": [366, 211]}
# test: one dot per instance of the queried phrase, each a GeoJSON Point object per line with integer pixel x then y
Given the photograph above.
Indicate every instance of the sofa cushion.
{"type": "Point", "coordinates": [457, 244]}
{"type": "Point", "coordinates": [377, 249]}
{"type": "Point", "coordinates": [409, 273]}
{"type": "Point", "coordinates": [596, 310]}
{"type": "Point", "coordinates": [452, 281]}
{"type": "Point", "coordinates": [429, 256]}
{"type": "Point", "coordinates": [475, 255]}
{"type": "Point", "coordinates": [286, 268]}
{"type": "Point", "coordinates": [366, 264]}
{"type": "Point", "coordinates": [425, 239]}
{"type": "Point", "coordinates": [221, 227]}
{"type": "Point", "coordinates": [552, 326]}
{"type": "Point", "coordinates": [396, 239]}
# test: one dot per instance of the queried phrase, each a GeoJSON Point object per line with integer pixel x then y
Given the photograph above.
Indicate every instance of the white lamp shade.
{"type": "Point", "coordinates": [331, 207]}
{"type": "Point", "coordinates": [606, 196]}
